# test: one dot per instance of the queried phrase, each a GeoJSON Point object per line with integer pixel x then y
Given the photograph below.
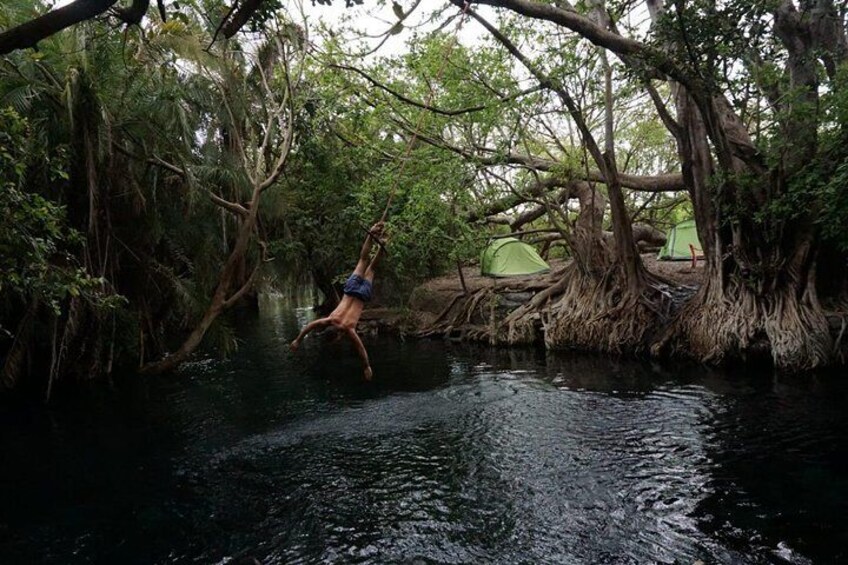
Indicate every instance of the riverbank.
{"type": "Point", "coordinates": [476, 308]}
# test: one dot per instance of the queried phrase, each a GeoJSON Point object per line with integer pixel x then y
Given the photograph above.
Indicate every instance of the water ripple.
{"type": "Point", "coordinates": [450, 456]}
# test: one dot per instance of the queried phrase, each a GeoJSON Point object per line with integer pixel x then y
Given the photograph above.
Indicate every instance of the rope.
{"type": "Point", "coordinates": [427, 102]}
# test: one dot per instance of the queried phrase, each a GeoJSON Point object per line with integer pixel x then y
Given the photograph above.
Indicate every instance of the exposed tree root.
{"type": "Point", "coordinates": [577, 311]}
{"type": "Point", "coordinates": [599, 314]}
{"type": "Point", "coordinates": [718, 325]}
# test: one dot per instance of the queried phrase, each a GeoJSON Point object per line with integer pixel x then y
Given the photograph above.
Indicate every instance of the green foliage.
{"type": "Point", "coordinates": [428, 236]}
{"type": "Point", "coordinates": [36, 244]}
{"type": "Point", "coordinates": [820, 186]}
{"type": "Point", "coordinates": [835, 199]}
{"type": "Point", "coordinates": [116, 141]}
{"type": "Point", "coordinates": [100, 237]}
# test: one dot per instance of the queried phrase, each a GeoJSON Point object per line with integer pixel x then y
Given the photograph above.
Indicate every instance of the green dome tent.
{"type": "Point", "coordinates": [508, 257]}
{"type": "Point", "coordinates": [679, 238]}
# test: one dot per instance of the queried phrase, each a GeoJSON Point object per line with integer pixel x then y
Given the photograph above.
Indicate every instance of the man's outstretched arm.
{"type": "Point", "coordinates": [363, 354]}
{"type": "Point", "coordinates": [306, 329]}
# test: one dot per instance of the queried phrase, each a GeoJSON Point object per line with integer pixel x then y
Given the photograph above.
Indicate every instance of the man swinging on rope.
{"type": "Point", "coordinates": [357, 291]}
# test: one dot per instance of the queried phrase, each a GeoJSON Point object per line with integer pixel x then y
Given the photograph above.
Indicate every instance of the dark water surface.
{"type": "Point", "coordinates": [452, 455]}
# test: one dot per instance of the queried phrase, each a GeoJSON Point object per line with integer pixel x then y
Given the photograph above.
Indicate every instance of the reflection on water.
{"type": "Point", "coordinates": [452, 455]}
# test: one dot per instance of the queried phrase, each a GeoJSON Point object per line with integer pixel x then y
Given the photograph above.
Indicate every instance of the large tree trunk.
{"type": "Point", "coordinates": [611, 305]}
{"type": "Point", "coordinates": [735, 319]}
{"type": "Point", "coordinates": [759, 297]}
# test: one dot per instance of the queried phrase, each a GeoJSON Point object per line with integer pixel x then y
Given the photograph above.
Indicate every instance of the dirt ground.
{"type": "Point", "coordinates": [679, 272]}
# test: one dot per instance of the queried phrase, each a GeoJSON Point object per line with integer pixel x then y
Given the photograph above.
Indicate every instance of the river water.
{"type": "Point", "coordinates": [452, 455]}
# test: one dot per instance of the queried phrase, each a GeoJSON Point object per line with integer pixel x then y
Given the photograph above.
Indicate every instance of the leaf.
{"type": "Point", "coordinates": [19, 98]}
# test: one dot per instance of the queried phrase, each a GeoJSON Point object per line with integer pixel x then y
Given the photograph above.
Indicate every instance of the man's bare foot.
{"type": "Point", "coordinates": [369, 374]}
{"type": "Point", "coordinates": [294, 345]}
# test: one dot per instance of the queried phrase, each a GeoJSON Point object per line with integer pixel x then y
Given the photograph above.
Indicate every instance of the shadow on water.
{"type": "Point", "coordinates": [453, 454]}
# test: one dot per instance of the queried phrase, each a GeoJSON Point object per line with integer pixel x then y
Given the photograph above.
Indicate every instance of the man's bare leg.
{"type": "Point", "coordinates": [372, 266]}
{"type": "Point", "coordinates": [306, 329]}
{"type": "Point", "coordinates": [363, 354]}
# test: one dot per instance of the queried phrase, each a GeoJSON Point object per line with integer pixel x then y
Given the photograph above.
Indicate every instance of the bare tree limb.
{"type": "Point", "coordinates": [654, 183]}
{"type": "Point", "coordinates": [159, 162]}
{"type": "Point", "coordinates": [433, 109]}
{"type": "Point", "coordinates": [288, 101]}
{"type": "Point", "coordinates": [570, 19]}
{"type": "Point", "coordinates": [228, 303]}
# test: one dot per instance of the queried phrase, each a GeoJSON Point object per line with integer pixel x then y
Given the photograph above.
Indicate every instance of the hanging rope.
{"type": "Point", "coordinates": [428, 102]}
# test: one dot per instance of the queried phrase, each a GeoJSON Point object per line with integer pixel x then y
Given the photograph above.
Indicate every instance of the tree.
{"type": "Point", "coordinates": [38, 267]}
{"type": "Point", "coordinates": [259, 106]}
{"type": "Point", "coordinates": [762, 283]}
{"type": "Point", "coordinates": [606, 299]}
{"type": "Point", "coordinates": [162, 172]}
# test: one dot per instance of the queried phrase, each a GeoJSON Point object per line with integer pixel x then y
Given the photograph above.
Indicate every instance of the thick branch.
{"type": "Point", "coordinates": [829, 35]}
{"type": "Point", "coordinates": [537, 212]}
{"type": "Point", "coordinates": [601, 37]}
{"type": "Point", "coordinates": [30, 33]}
{"type": "Point", "coordinates": [537, 189]}
{"type": "Point", "coordinates": [793, 29]}
{"type": "Point", "coordinates": [134, 14]}
{"type": "Point", "coordinates": [241, 16]}
{"type": "Point", "coordinates": [228, 303]}
{"type": "Point", "coordinates": [230, 206]}
{"type": "Point", "coordinates": [652, 183]}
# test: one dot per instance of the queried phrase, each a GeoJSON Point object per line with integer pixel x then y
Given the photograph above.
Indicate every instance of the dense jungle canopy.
{"type": "Point", "coordinates": [161, 163]}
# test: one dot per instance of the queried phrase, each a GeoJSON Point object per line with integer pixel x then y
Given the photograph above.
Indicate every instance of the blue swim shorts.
{"type": "Point", "coordinates": [358, 287]}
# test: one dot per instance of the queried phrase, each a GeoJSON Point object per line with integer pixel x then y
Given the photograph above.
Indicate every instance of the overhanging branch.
{"type": "Point", "coordinates": [28, 34]}
{"type": "Point", "coordinates": [642, 183]}
{"type": "Point", "coordinates": [241, 16]}
{"type": "Point", "coordinates": [596, 34]}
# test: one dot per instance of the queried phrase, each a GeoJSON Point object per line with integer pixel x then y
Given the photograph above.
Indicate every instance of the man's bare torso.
{"type": "Point", "coordinates": [346, 315]}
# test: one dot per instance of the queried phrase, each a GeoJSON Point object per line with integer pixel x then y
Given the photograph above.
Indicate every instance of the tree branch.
{"type": "Point", "coordinates": [134, 14]}
{"type": "Point", "coordinates": [28, 34]}
{"type": "Point", "coordinates": [570, 19]}
{"type": "Point", "coordinates": [157, 161]}
{"type": "Point", "coordinates": [433, 109]}
{"type": "Point", "coordinates": [287, 142]}
{"type": "Point", "coordinates": [223, 22]}
{"type": "Point", "coordinates": [241, 16]}
{"type": "Point", "coordinates": [654, 183]}
{"type": "Point", "coordinates": [243, 290]}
